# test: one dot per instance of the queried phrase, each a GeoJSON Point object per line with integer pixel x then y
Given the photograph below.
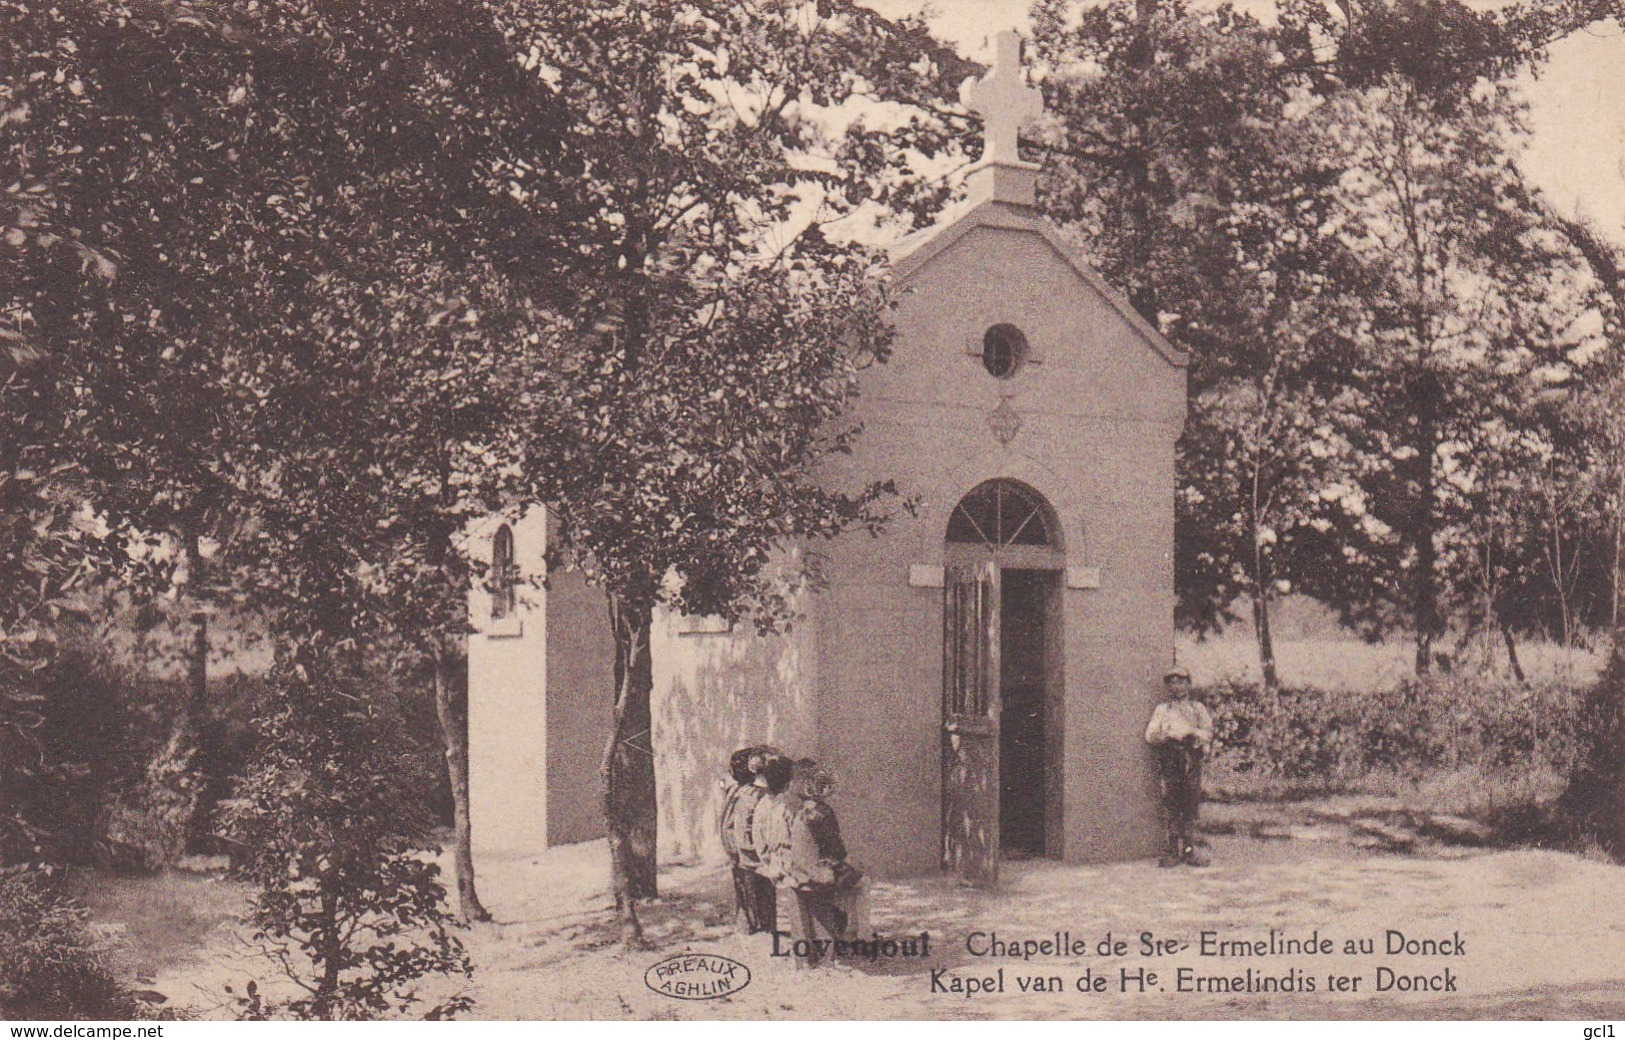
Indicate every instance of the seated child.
{"type": "Point", "coordinates": [831, 893]}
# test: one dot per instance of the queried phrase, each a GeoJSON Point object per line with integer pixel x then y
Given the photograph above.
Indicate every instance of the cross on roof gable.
{"type": "Point", "coordinates": [1003, 100]}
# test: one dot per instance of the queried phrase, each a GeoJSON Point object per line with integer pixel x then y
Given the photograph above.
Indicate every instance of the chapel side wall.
{"type": "Point", "coordinates": [715, 690]}
{"type": "Point", "coordinates": [580, 683]}
{"type": "Point", "coordinates": [507, 700]}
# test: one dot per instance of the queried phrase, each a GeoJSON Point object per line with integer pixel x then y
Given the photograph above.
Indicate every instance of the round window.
{"type": "Point", "coordinates": [1003, 347]}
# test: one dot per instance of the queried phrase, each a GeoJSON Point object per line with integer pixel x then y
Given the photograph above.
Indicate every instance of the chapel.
{"type": "Point", "coordinates": [978, 677]}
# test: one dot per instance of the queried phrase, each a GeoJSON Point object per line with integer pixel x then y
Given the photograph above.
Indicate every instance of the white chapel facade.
{"type": "Point", "coordinates": [980, 675]}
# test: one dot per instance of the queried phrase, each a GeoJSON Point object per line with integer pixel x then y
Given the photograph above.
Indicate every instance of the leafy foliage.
{"type": "Point", "coordinates": [1595, 798]}
{"type": "Point", "coordinates": [202, 246]}
{"type": "Point", "coordinates": [1200, 178]}
{"type": "Point", "coordinates": [347, 899]}
{"type": "Point", "coordinates": [716, 334]}
{"type": "Point", "coordinates": [1338, 739]}
{"type": "Point", "coordinates": [47, 552]}
{"type": "Point", "coordinates": [51, 965]}
{"type": "Point", "coordinates": [1472, 317]}
{"type": "Point", "coordinates": [1385, 332]}
{"type": "Point", "coordinates": [146, 826]}
{"type": "Point", "coordinates": [257, 362]}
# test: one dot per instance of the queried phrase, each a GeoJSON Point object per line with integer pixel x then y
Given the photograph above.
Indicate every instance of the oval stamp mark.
{"type": "Point", "coordinates": [697, 976]}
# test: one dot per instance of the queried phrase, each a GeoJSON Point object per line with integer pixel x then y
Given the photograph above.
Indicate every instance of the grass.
{"type": "Point", "coordinates": [158, 921]}
{"type": "Point", "coordinates": [1348, 664]}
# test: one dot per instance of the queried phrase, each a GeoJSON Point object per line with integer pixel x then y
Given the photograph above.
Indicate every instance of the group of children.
{"type": "Point", "coordinates": [779, 831]}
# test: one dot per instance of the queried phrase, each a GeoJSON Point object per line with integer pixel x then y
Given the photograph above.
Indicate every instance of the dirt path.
{"type": "Point", "coordinates": [1542, 933]}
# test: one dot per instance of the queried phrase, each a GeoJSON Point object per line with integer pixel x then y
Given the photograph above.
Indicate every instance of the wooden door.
{"type": "Point", "coordinates": [970, 722]}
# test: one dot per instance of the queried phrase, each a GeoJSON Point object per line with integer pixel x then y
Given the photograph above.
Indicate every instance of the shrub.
{"type": "Point", "coordinates": [51, 966]}
{"type": "Point", "coordinates": [61, 754]}
{"type": "Point", "coordinates": [97, 731]}
{"type": "Point", "coordinates": [1338, 740]}
{"type": "Point", "coordinates": [146, 827]}
{"type": "Point", "coordinates": [1595, 800]}
{"type": "Point", "coordinates": [335, 839]}
{"type": "Point", "coordinates": [92, 770]}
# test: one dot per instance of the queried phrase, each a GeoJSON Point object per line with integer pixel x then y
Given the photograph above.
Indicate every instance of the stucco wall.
{"type": "Point", "coordinates": [716, 690]}
{"type": "Point", "coordinates": [880, 710]}
{"type": "Point", "coordinates": [540, 684]}
{"type": "Point", "coordinates": [580, 705]}
{"type": "Point", "coordinates": [507, 703]}
{"type": "Point", "coordinates": [857, 683]}
{"type": "Point", "coordinates": [1100, 410]}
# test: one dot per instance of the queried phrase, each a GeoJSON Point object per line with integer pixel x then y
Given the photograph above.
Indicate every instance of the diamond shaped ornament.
{"type": "Point", "coordinates": [1005, 422]}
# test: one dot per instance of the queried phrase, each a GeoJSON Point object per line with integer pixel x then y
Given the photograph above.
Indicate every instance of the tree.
{"type": "Point", "coordinates": [410, 339]}
{"type": "Point", "coordinates": [1407, 78]}
{"type": "Point", "coordinates": [1212, 165]}
{"type": "Point", "coordinates": [136, 327]}
{"type": "Point", "coordinates": [345, 901]}
{"type": "Point", "coordinates": [296, 192]}
{"type": "Point", "coordinates": [718, 334]}
{"type": "Point", "coordinates": [1599, 404]}
{"type": "Point", "coordinates": [1465, 318]}
{"type": "Point", "coordinates": [46, 555]}
{"type": "Point", "coordinates": [1199, 177]}
{"type": "Point", "coordinates": [1596, 791]}
{"type": "Point", "coordinates": [1533, 552]}
{"type": "Point", "coordinates": [47, 550]}
{"type": "Point", "coordinates": [1442, 47]}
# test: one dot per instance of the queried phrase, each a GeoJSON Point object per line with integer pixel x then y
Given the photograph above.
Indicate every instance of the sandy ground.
{"type": "Point", "coordinates": [1542, 932]}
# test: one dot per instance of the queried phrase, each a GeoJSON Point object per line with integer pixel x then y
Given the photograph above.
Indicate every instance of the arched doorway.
{"type": "Point", "coordinates": [1003, 559]}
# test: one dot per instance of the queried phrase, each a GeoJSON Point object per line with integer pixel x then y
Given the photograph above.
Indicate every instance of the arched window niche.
{"type": "Point", "coordinates": [1009, 521]}
{"type": "Point", "coordinates": [503, 577]}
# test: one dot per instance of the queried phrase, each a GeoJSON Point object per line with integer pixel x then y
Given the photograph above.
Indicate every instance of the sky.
{"type": "Point", "coordinates": [1576, 105]}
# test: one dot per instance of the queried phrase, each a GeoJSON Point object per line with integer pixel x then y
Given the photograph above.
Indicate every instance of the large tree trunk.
{"type": "Point", "coordinates": [1140, 286]}
{"type": "Point", "coordinates": [197, 664]}
{"type": "Point", "coordinates": [451, 704]}
{"type": "Point", "coordinates": [451, 696]}
{"type": "Point", "coordinates": [1619, 558]}
{"type": "Point", "coordinates": [196, 720]}
{"type": "Point", "coordinates": [630, 817]}
{"type": "Point", "coordinates": [330, 955]}
{"type": "Point", "coordinates": [1609, 754]}
{"type": "Point", "coordinates": [197, 671]}
{"type": "Point", "coordinates": [1261, 586]}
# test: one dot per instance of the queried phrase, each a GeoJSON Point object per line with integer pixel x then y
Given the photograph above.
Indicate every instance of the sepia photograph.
{"type": "Point", "coordinates": [804, 510]}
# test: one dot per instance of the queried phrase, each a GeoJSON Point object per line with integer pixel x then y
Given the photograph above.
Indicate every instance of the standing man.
{"type": "Point", "coordinates": [1181, 730]}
